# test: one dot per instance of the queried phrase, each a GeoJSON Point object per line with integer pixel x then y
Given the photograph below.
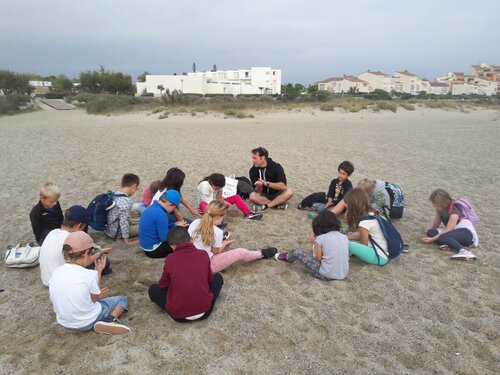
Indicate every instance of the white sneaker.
{"type": "Point", "coordinates": [463, 255]}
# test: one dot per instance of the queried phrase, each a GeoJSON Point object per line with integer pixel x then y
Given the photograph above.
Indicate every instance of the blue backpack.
{"type": "Point", "coordinates": [395, 243]}
{"type": "Point", "coordinates": [398, 201]}
{"type": "Point", "coordinates": [98, 209]}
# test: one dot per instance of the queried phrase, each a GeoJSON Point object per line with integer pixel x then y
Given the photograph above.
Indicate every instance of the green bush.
{"type": "Point", "coordinates": [440, 104]}
{"type": "Point", "coordinates": [327, 107]}
{"type": "Point", "coordinates": [157, 109]}
{"type": "Point", "coordinates": [378, 94]}
{"type": "Point", "coordinates": [407, 106]}
{"type": "Point", "coordinates": [386, 106]}
{"type": "Point", "coordinates": [56, 95]}
{"type": "Point", "coordinates": [235, 113]}
{"type": "Point", "coordinates": [9, 104]}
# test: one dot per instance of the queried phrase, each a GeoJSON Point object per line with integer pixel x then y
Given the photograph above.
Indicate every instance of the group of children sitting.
{"type": "Point", "coordinates": [197, 250]}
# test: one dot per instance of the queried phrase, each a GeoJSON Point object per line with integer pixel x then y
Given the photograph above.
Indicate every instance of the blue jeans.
{"type": "Point", "coordinates": [108, 305]}
{"type": "Point", "coordinates": [455, 239]}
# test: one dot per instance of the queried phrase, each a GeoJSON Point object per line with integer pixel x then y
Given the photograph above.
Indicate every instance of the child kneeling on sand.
{"type": "Point", "coordinates": [79, 301]}
{"type": "Point", "coordinates": [459, 230]}
{"type": "Point", "coordinates": [330, 247]}
{"type": "Point", "coordinates": [187, 289]}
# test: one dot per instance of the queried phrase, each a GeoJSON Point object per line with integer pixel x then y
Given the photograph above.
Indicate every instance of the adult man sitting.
{"type": "Point", "coordinates": [269, 181]}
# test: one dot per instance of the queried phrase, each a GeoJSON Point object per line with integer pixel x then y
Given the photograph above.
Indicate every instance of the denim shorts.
{"type": "Point", "coordinates": [108, 304]}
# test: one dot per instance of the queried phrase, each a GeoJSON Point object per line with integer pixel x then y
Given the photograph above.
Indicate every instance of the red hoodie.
{"type": "Point", "coordinates": [187, 276]}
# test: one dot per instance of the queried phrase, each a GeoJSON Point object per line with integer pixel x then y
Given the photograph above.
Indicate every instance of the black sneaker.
{"type": "Point", "coordinates": [110, 326]}
{"type": "Point", "coordinates": [268, 252]}
{"type": "Point", "coordinates": [226, 235]}
{"type": "Point", "coordinates": [253, 216]}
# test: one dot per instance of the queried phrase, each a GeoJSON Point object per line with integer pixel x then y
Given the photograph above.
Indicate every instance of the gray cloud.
{"type": "Point", "coordinates": [308, 40]}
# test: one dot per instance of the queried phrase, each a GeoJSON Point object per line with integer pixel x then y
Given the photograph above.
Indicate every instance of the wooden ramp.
{"type": "Point", "coordinates": [58, 104]}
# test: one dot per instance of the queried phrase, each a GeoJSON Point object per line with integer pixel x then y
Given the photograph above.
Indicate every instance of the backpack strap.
{"type": "Point", "coordinates": [374, 243]}
{"type": "Point", "coordinates": [117, 195]}
{"type": "Point", "coordinates": [450, 210]}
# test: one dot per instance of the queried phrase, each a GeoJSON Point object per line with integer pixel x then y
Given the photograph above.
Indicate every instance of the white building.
{"type": "Point", "coordinates": [464, 89]}
{"type": "Point", "coordinates": [256, 80]}
{"type": "Point", "coordinates": [377, 80]}
{"type": "Point", "coordinates": [439, 88]}
{"type": "Point", "coordinates": [485, 86]}
{"type": "Point", "coordinates": [409, 83]}
{"type": "Point", "coordinates": [342, 84]}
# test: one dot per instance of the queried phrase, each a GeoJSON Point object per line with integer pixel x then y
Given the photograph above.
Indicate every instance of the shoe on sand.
{"type": "Point", "coordinates": [259, 207]}
{"type": "Point", "coordinates": [282, 257]}
{"type": "Point", "coordinates": [253, 216]}
{"type": "Point", "coordinates": [268, 252]}
{"type": "Point", "coordinates": [445, 248]}
{"type": "Point", "coordinates": [226, 235]}
{"type": "Point", "coordinates": [463, 255]}
{"type": "Point", "coordinates": [111, 326]}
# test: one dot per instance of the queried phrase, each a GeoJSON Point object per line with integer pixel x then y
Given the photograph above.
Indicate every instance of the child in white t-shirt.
{"type": "Point", "coordinates": [208, 237]}
{"type": "Point", "coordinates": [361, 229]}
{"type": "Point", "coordinates": [210, 189]}
{"type": "Point", "coordinates": [79, 301]}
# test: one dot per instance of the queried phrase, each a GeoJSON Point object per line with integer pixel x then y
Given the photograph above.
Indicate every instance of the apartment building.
{"type": "Point", "coordinates": [256, 80]}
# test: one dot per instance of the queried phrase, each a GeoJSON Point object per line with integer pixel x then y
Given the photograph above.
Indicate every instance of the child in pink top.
{"type": "Point", "coordinates": [147, 196]}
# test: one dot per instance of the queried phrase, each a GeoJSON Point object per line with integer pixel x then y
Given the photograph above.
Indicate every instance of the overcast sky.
{"type": "Point", "coordinates": [307, 40]}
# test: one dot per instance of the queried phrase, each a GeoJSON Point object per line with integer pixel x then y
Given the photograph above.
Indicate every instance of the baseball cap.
{"type": "Point", "coordinates": [77, 214]}
{"type": "Point", "coordinates": [79, 241]}
{"type": "Point", "coordinates": [172, 196]}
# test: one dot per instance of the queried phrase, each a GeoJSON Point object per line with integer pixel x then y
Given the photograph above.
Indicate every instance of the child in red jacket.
{"type": "Point", "coordinates": [187, 289]}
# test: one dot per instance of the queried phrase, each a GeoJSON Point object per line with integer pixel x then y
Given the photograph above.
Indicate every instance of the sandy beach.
{"type": "Point", "coordinates": [420, 314]}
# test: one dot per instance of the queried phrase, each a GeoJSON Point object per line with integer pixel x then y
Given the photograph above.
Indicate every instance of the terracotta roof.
{"type": "Point", "coordinates": [354, 79]}
{"type": "Point", "coordinates": [378, 73]}
{"type": "Point", "coordinates": [331, 79]}
{"type": "Point", "coordinates": [407, 73]}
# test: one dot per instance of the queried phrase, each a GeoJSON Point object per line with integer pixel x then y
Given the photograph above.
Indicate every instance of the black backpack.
{"type": "Point", "coordinates": [244, 188]}
{"type": "Point", "coordinates": [395, 243]}
{"type": "Point", "coordinates": [308, 201]}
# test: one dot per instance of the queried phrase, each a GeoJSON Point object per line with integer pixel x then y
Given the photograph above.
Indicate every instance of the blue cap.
{"type": "Point", "coordinates": [172, 196]}
{"type": "Point", "coordinates": [77, 214]}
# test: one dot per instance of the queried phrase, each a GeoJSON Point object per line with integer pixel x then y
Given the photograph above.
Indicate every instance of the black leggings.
{"type": "Point", "coordinates": [160, 252]}
{"type": "Point", "coordinates": [455, 239]}
{"type": "Point", "coordinates": [159, 296]}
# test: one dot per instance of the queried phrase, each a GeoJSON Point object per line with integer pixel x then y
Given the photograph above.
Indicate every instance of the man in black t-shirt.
{"type": "Point", "coordinates": [269, 181]}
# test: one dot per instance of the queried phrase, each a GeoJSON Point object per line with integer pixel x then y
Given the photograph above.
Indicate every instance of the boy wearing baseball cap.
{"type": "Point", "coordinates": [154, 225]}
{"type": "Point", "coordinates": [76, 218]}
{"type": "Point", "coordinates": [79, 301]}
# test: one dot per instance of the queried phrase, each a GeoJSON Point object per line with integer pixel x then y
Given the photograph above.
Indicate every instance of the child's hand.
{"type": "Point", "coordinates": [227, 243]}
{"type": "Point", "coordinates": [105, 292]}
{"type": "Point", "coordinates": [106, 250]}
{"type": "Point", "coordinates": [100, 264]}
{"type": "Point", "coordinates": [130, 242]}
{"type": "Point", "coordinates": [181, 223]}
{"type": "Point", "coordinates": [196, 213]}
{"type": "Point", "coordinates": [313, 238]}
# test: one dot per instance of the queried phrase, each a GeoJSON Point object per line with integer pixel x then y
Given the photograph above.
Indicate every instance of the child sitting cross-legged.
{"type": "Point", "coordinates": [209, 237]}
{"type": "Point", "coordinates": [187, 289]}
{"type": "Point", "coordinates": [47, 214]}
{"type": "Point", "coordinates": [79, 301]}
{"type": "Point", "coordinates": [330, 247]}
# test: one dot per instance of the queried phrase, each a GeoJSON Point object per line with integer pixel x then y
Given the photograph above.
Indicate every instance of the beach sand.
{"type": "Point", "coordinates": [422, 313]}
